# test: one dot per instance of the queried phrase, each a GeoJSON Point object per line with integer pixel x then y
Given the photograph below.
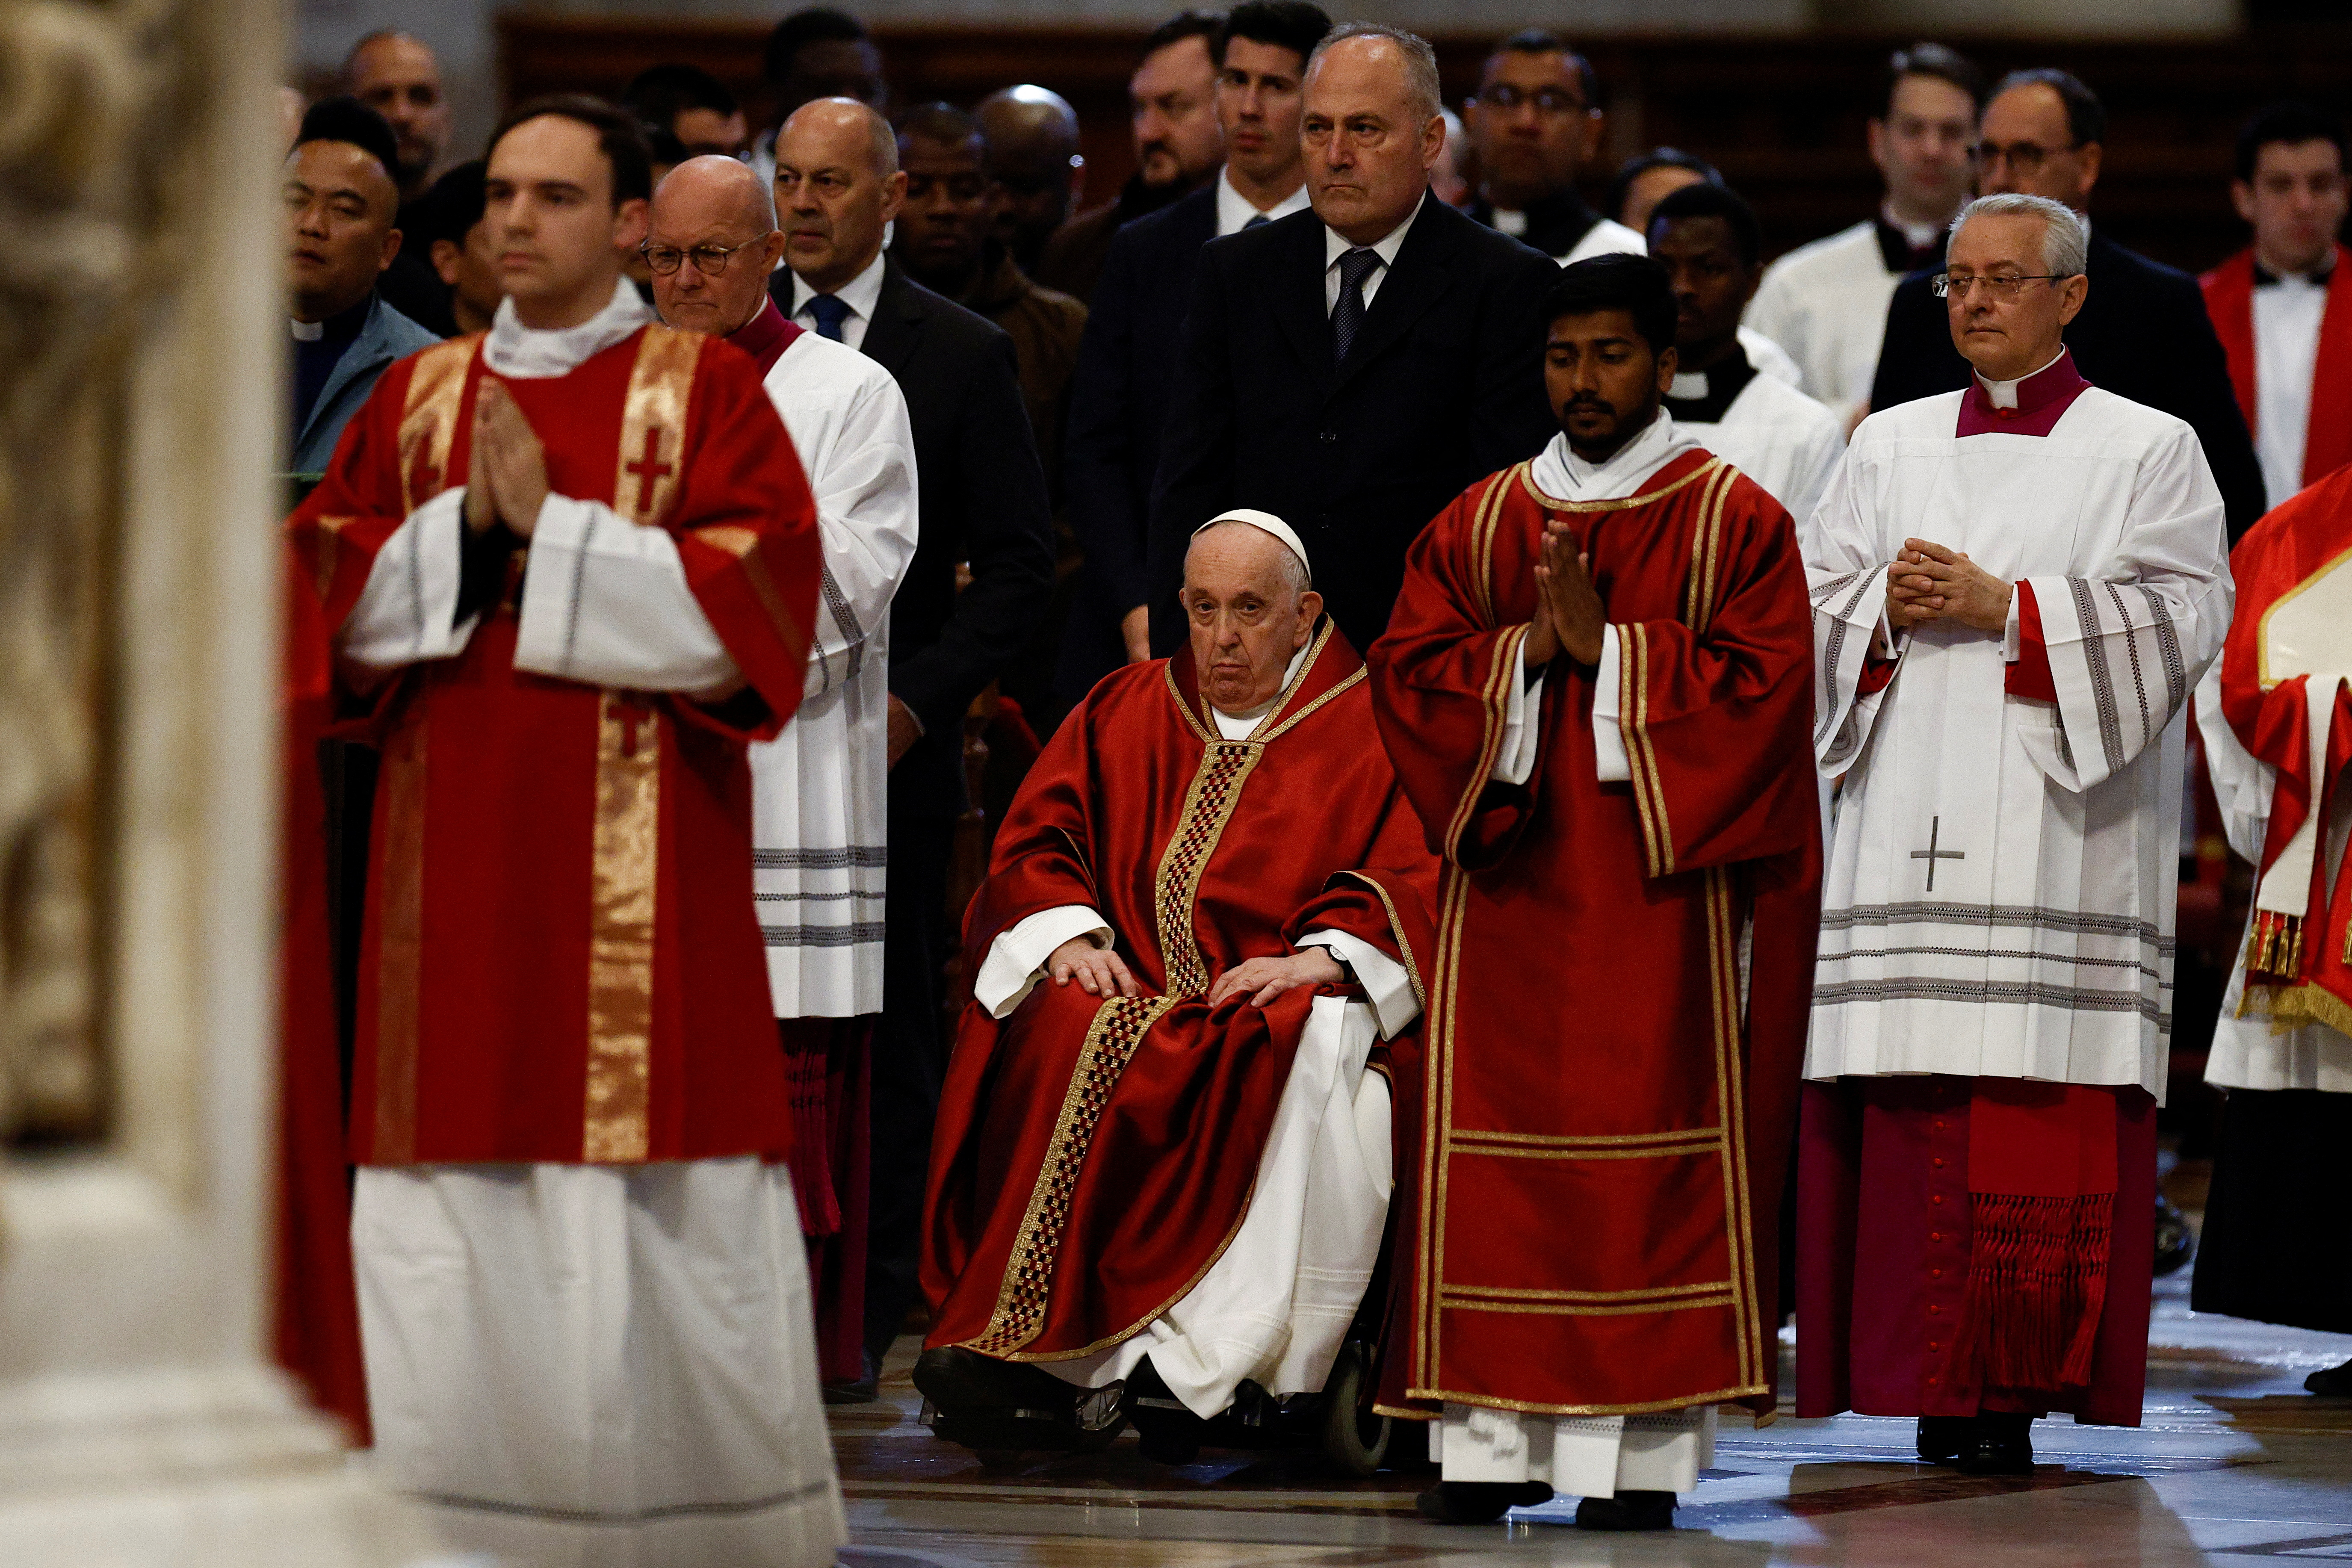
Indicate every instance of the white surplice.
{"type": "Point", "coordinates": [1999, 894]}
{"type": "Point", "coordinates": [819, 790]}
{"type": "Point", "coordinates": [1825, 303]}
{"type": "Point", "coordinates": [585, 1366]}
{"type": "Point", "coordinates": [1775, 434]}
{"type": "Point", "coordinates": [1276, 1306]}
{"type": "Point", "coordinates": [2252, 1052]}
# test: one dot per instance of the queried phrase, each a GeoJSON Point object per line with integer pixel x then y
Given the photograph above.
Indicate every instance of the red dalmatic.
{"type": "Point", "coordinates": [1611, 1075]}
{"type": "Point", "coordinates": [2230, 301]}
{"type": "Point", "coordinates": [1093, 1158]}
{"type": "Point", "coordinates": [561, 959]}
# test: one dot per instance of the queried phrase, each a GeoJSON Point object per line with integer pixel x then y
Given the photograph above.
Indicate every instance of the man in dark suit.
{"type": "Point", "coordinates": [1350, 368]}
{"type": "Point", "coordinates": [2143, 333]}
{"type": "Point", "coordinates": [1119, 400]}
{"type": "Point", "coordinates": [983, 496]}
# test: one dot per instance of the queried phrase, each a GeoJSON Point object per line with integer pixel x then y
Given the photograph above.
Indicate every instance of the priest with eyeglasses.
{"type": "Point", "coordinates": [2015, 588]}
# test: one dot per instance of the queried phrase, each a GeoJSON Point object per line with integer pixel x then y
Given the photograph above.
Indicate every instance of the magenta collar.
{"type": "Point", "coordinates": [2041, 397]}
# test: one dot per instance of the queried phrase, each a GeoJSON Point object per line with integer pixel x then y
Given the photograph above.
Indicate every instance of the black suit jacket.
{"type": "Point", "coordinates": [2142, 334]}
{"type": "Point", "coordinates": [983, 500]}
{"type": "Point", "coordinates": [1444, 387]}
{"type": "Point", "coordinates": [1119, 405]}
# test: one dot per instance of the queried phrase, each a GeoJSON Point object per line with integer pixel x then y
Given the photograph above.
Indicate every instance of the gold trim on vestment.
{"type": "Point", "coordinates": [742, 543]}
{"type": "Point", "coordinates": [1484, 518]}
{"type": "Point", "coordinates": [1118, 1027]}
{"type": "Point", "coordinates": [653, 424]}
{"type": "Point", "coordinates": [1502, 668]}
{"type": "Point", "coordinates": [1268, 732]}
{"type": "Point", "coordinates": [400, 942]}
{"type": "Point", "coordinates": [1589, 1140]}
{"type": "Point", "coordinates": [1527, 477]}
{"type": "Point", "coordinates": [326, 550]}
{"type": "Point", "coordinates": [2262, 630]}
{"type": "Point", "coordinates": [428, 424]}
{"type": "Point", "coordinates": [1639, 1407]}
{"type": "Point", "coordinates": [1455, 1301]}
{"type": "Point", "coordinates": [1209, 801]}
{"type": "Point", "coordinates": [1698, 591]}
{"type": "Point", "coordinates": [1634, 726]}
{"type": "Point", "coordinates": [1723, 965]}
{"type": "Point", "coordinates": [1157, 1312]}
{"type": "Point", "coordinates": [1396, 929]}
{"type": "Point", "coordinates": [1654, 1293]}
{"type": "Point", "coordinates": [1520, 1152]}
{"type": "Point", "coordinates": [617, 1126]}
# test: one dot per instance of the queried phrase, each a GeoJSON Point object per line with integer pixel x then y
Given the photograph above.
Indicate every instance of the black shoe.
{"type": "Point", "coordinates": [2175, 1242]}
{"type": "Point", "coordinates": [864, 1390]}
{"type": "Point", "coordinates": [1627, 1511]}
{"type": "Point", "coordinates": [2001, 1444]}
{"type": "Point", "coordinates": [1164, 1424]}
{"type": "Point", "coordinates": [1944, 1439]}
{"type": "Point", "coordinates": [2335, 1380]}
{"type": "Point", "coordinates": [1478, 1502]}
{"type": "Point", "coordinates": [987, 1404]}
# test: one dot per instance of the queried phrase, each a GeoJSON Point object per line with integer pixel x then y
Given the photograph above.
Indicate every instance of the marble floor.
{"type": "Point", "coordinates": [2234, 1464]}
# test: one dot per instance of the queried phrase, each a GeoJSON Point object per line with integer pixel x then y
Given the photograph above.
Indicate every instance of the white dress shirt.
{"type": "Point", "coordinates": [1234, 210]}
{"type": "Point", "coordinates": [861, 294]}
{"type": "Point", "coordinates": [1337, 245]}
{"type": "Point", "coordinates": [2286, 346]}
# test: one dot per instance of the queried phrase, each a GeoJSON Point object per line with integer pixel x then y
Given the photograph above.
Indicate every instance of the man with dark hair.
{"type": "Point", "coordinates": [1350, 367]}
{"type": "Point", "coordinates": [982, 504]}
{"type": "Point", "coordinates": [396, 75]}
{"type": "Point", "coordinates": [1173, 104]}
{"type": "Point", "coordinates": [1597, 690]}
{"type": "Point", "coordinates": [818, 52]}
{"type": "Point", "coordinates": [1536, 123]}
{"type": "Point", "coordinates": [1648, 178]}
{"type": "Point", "coordinates": [566, 573]}
{"type": "Point", "coordinates": [2283, 307]}
{"type": "Point", "coordinates": [2143, 333]}
{"type": "Point", "coordinates": [341, 203]}
{"type": "Point", "coordinates": [1825, 302]}
{"type": "Point", "coordinates": [1032, 135]}
{"type": "Point", "coordinates": [458, 242]}
{"type": "Point", "coordinates": [945, 238]}
{"type": "Point", "coordinates": [1711, 245]}
{"type": "Point", "coordinates": [1119, 403]}
{"type": "Point", "coordinates": [690, 104]}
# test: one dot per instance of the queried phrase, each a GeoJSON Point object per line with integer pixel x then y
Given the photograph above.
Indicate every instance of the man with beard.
{"type": "Point", "coordinates": [396, 75]}
{"type": "Point", "coordinates": [1172, 99]}
{"type": "Point", "coordinates": [1032, 155]}
{"type": "Point", "coordinates": [1597, 690]}
{"type": "Point", "coordinates": [1534, 123]}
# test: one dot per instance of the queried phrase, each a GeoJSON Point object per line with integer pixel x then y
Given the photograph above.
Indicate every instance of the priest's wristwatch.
{"type": "Point", "coordinates": [1347, 970]}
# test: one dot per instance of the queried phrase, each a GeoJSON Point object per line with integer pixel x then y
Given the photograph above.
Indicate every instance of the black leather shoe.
{"type": "Point", "coordinates": [2001, 1444]}
{"type": "Point", "coordinates": [864, 1390]}
{"type": "Point", "coordinates": [1478, 1502]}
{"type": "Point", "coordinates": [1627, 1511]}
{"type": "Point", "coordinates": [1013, 1407]}
{"type": "Point", "coordinates": [2335, 1380]}
{"type": "Point", "coordinates": [1164, 1424]}
{"type": "Point", "coordinates": [1944, 1439]}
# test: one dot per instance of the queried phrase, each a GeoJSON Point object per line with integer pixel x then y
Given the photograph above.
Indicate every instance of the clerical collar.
{"type": "Point", "coordinates": [1554, 224]}
{"type": "Point", "coordinates": [1234, 210]}
{"type": "Point", "coordinates": [765, 336]}
{"type": "Point", "coordinates": [1704, 396]}
{"type": "Point", "coordinates": [1241, 726]}
{"type": "Point", "coordinates": [342, 327]}
{"type": "Point", "coordinates": [2029, 406]}
{"type": "Point", "coordinates": [1563, 475]}
{"type": "Point", "coordinates": [532, 354]}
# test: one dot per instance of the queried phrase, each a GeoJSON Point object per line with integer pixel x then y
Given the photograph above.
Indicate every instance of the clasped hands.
{"type": "Point", "coordinates": [1570, 616]}
{"type": "Point", "coordinates": [1099, 971]}
{"type": "Point", "coordinates": [1928, 583]}
{"type": "Point", "coordinates": [506, 477]}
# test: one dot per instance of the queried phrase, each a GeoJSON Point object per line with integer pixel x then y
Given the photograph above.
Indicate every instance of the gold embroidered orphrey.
{"type": "Point", "coordinates": [1441, 1141]}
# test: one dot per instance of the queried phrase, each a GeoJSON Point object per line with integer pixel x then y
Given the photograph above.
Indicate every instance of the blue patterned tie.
{"type": "Point", "coordinates": [830, 312]}
{"type": "Point", "coordinates": [1347, 316]}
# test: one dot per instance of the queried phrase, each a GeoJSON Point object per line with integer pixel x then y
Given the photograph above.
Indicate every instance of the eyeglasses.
{"type": "Point", "coordinates": [711, 260]}
{"type": "Point", "coordinates": [2025, 157]}
{"type": "Point", "coordinates": [1999, 286]}
{"type": "Point", "coordinates": [1546, 100]}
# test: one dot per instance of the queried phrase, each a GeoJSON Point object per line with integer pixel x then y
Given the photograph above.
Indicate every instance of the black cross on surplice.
{"type": "Point", "coordinates": [1931, 854]}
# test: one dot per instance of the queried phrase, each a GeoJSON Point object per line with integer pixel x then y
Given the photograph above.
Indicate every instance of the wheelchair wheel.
{"type": "Point", "coordinates": [1355, 1437]}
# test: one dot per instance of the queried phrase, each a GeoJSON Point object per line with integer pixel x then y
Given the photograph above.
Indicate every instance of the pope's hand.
{"type": "Point", "coordinates": [1945, 584]}
{"type": "Point", "coordinates": [1098, 971]}
{"type": "Point", "coordinates": [507, 474]}
{"type": "Point", "coordinates": [1270, 977]}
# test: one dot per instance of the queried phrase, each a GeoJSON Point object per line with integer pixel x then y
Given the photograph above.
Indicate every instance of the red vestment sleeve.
{"type": "Point", "coordinates": [1710, 716]}
{"type": "Point", "coordinates": [338, 528]}
{"type": "Point", "coordinates": [746, 534]}
{"type": "Point", "coordinates": [2030, 675]}
{"type": "Point", "coordinates": [1042, 856]}
{"type": "Point", "coordinates": [1387, 902]}
{"type": "Point", "coordinates": [1440, 676]}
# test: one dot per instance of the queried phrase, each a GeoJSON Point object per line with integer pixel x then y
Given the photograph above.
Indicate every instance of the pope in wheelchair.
{"type": "Point", "coordinates": [1161, 1168]}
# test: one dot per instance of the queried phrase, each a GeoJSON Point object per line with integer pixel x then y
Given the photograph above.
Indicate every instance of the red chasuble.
{"type": "Point", "coordinates": [1093, 1158]}
{"type": "Point", "coordinates": [561, 959]}
{"type": "Point", "coordinates": [1609, 1115]}
{"type": "Point", "coordinates": [2230, 301]}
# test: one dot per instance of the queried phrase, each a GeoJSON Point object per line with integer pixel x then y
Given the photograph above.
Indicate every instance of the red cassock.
{"type": "Point", "coordinates": [2230, 301]}
{"type": "Point", "coordinates": [1608, 1121]}
{"type": "Point", "coordinates": [561, 959]}
{"type": "Point", "coordinates": [1093, 1158]}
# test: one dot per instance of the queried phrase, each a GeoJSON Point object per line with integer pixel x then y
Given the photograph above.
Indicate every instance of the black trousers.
{"type": "Point", "coordinates": [910, 1052]}
{"type": "Point", "coordinates": [2277, 1242]}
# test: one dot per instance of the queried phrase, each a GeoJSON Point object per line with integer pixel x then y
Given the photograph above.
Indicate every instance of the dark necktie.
{"type": "Point", "coordinates": [1347, 316]}
{"type": "Point", "coordinates": [830, 312]}
{"type": "Point", "coordinates": [1255, 219]}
